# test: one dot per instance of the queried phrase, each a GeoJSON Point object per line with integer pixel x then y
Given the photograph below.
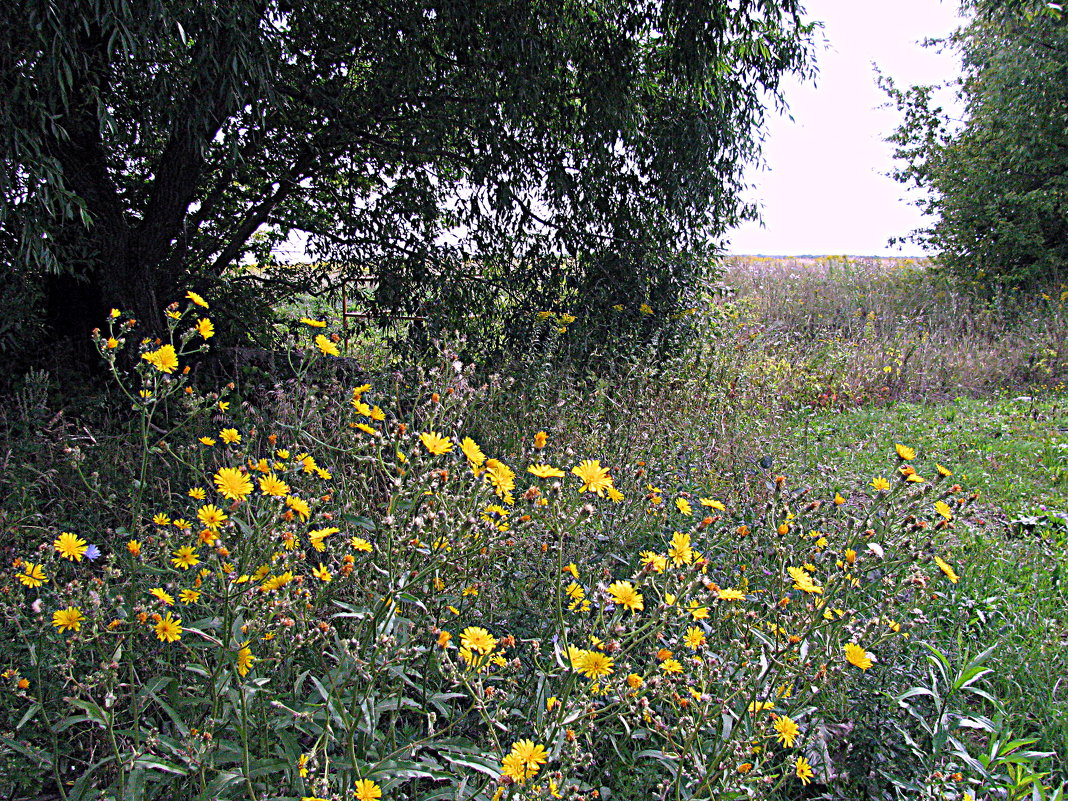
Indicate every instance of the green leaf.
{"type": "Point", "coordinates": [155, 763]}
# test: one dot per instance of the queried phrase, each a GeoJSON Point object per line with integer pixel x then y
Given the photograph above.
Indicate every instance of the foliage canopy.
{"type": "Point", "coordinates": [995, 184]}
{"type": "Point", "coordinates": [152, 145]}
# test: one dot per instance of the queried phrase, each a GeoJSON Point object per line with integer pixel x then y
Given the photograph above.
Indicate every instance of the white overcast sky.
{"type": "Point", "coordinates": [826, 189]}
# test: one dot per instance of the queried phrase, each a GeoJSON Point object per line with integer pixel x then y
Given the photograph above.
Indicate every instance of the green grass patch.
{"type": "Point", "coordinates": [1013, 450]}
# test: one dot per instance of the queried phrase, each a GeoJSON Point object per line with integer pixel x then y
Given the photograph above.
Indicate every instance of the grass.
{"type": "Point", "coordinates": [1013, 450]}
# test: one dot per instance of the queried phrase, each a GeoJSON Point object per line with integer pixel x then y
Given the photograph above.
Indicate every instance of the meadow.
{"type": "Point", "coordinates": [820, 553]}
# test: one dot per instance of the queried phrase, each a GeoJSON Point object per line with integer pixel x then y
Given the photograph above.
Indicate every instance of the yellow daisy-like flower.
{"type": "Point", "coordinates": [366, 790]}
{"type": "Point", "coordinates": [524, 760]}
{"type": "Point", "coordinates": [478, 639]}
{"type": "Point", "coordinates": [634, 681]}
{"type": "Point", "coordinates": [70, 546]}
{"type": "Point", "coordinates": [188, 596]}
{"type": "Point", "coordinates": [513, 767]}
{"type": "Point", "coordinates": [206, 441]}
{"type": "Point", "coordinates": [165, 359]}
{"type": "Point", "coordinates": [945, 472]}
{"type": "Point", "coordinates": [904, 452]}
{"type": "Point", "coordinates": [325, 346]}
{"type": "Point", "coordinates": [197, 493]}
{"type": "Point", "coordinates": [308, 321]}
{"type": "Point", "coordinates": [230, 436]}
{"type": "Point", "coordinates": [316, 537]}
{"type": "Point", "coordinates": [786, 731]}
{"type": "Point", "coordinates": [162, 595]}
{"type": "Point", "coordinates": [475, 457]}
{"type": "Point", "coordinates": [730, 594]}
{"type": "Point", "coordinates": [880, 484]}
{"type": "Point", "coordinates": [695, 638]}
{"type": "Point", "coordinates": [857, 656]}
{"type": "Point", "coordinates": [272, 485]}
{"type": "Point", "coordinates": [211, 516]}
{"type": "Point", "coordinates": [277, 582]}
{"type": "Point", "coordinates": [614, 495]}
{"type": "Point", "coordinates": [134, 547]}
{"type": "Point", "coordinates": [193, 296]}
{"type": "Point", "coordinates": [943, 509]}
{"type": "Point", "coordinates": [655, 561]}
{"type": "Point", "coordinates": [169, 629]}
{"type": "Point", "coordinates": [32, 575]}
{"type": "Point", "coordinates": [947, 568]}
{"type": "Point", "coordinates": [232, 483]}
{"type": "Point", "coordinates": [803, 770]}
{"type": "Point", "coordinates": [683, 506]}
{"type": "Point", "coordinates": [594, 477]}
{"type": "Point", "coordinates": [244, 661]}
{"type": "Point", "coordinates": [671, 665]}
{"type": "Point", "coordinates": [300, 506]}
{"type": "Point", "coordinates": [711, 504]}
{"type": "Point", "coordinates": [680, 552]}
{"type": "Point", "coordinates": [501, 477]}
{"type": "Point", "coordinates": [592, 664]}
{"type": "Point", "coordinates": [697, 612]}
{"type": "Point", "coordinates": [360, 544]}
{"type": "Point", "coordinates": [435, 443]}
{"type": "Point", "coordinates": [540, 439]}
{"type": "Point", "coordinates": [205, 328]}
{"type": "Point", "coordinates": [576, 594]}
{"type": "Point", "coordinates": [838, 499]}
{"type": "Point", "coordinates": [803, 581]}
{"type": "Point", "coordinates": [322, 574]}
{"type": "Point", "coordinates": [546, 471]}
{"type": "Point", "coordinates": [185, 558]}
{"type": "Point", "coordinates": [68, 619]}
{"type": "Point", "coordinates": [624, 594]}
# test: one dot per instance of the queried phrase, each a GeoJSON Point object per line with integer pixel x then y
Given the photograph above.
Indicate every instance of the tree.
{"type": "Point", "coordinates": [996, 185]}
{"type": "Point", "coordinates": [148, 147]}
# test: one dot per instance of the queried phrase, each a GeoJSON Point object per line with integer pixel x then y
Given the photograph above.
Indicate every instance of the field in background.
{"type": "Point", "coordinates": [864, 329]}
{"type": "Point", "coordinates": [860, 351]}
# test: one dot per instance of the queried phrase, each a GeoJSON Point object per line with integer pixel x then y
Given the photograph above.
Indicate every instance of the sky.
{"type": "Point", "coordinates": [826, 188]}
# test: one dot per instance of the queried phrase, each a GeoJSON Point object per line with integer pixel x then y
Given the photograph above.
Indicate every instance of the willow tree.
{"type": "Point", "coordinates": [150, 146]}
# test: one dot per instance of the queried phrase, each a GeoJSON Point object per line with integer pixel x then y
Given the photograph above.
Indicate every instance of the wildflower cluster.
{"type": "Point", "coordinates": [402, 612]}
